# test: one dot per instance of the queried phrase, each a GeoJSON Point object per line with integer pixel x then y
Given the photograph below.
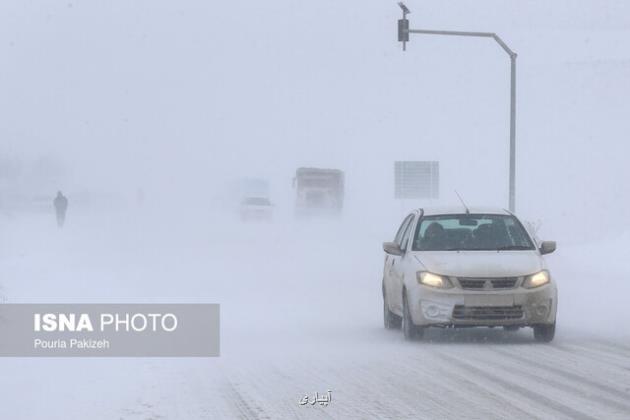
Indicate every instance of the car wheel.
{"type": "Point", "coordinates": [410, 330]}
{"type": "Point", "coordinates": [390, 320]}
{"type": "Point", "coordinates": [544, 333]}
{"type": "Point", "coordinates": [511, 327]}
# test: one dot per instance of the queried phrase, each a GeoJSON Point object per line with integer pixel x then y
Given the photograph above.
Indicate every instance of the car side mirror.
{"type": "Point", "coordinates": [547, 247]}
{"type": "Point", "coordinates": [392, 248]}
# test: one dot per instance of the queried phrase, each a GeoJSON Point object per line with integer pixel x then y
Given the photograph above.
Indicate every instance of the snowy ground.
{"type": "Point", "coordinates": [301, 313]}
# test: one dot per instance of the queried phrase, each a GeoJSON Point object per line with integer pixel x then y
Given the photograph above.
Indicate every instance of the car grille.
{"type": "Point", "coordinates": [474, 283]}
{"type": "Point", "coordinates": [487, 312]}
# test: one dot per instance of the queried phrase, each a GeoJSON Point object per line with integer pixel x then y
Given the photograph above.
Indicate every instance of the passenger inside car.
{"type": "Point", "coordinates": [457, 233]}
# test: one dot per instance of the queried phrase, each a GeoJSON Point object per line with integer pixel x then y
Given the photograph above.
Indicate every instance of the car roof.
{"type": "Point", "coordinates": [434, 211]}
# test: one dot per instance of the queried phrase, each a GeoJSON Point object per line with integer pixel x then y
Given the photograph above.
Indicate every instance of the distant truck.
{"type": "Point", "coordinates": [318, 190]}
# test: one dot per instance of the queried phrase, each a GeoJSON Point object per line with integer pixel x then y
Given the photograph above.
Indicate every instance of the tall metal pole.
{"type": "Point", "coordinates": [512, 132]}
{"type": "Point", "coordinates": [403, 36]}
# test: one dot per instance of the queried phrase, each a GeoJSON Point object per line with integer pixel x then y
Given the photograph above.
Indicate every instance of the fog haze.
{"type": "Point", "coordinates": [179, 96]}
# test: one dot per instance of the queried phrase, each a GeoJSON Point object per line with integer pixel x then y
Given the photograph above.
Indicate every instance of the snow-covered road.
{"type": "Point", "coordinates": [301, 313]}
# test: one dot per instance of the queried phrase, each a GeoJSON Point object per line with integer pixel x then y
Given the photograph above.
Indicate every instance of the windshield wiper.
{"type": "Point", "coordinates": [514, 248]}
{"type": "Point", "coordinates": [502, 248]}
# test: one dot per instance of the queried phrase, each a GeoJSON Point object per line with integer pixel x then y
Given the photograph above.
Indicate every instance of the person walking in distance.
{"type": "Point", "coordinates": [61, 205]}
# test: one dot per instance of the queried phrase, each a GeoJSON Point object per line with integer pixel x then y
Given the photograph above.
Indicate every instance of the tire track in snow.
{"type": "Point", "coordinates": [536, 397]}
{"type": "Point", "coordinates": [355, 385]}
{"type": "Point", "coordinates": [506, 403]}
{"type": "Point", "coordinates": [240, 402]}
{"type": "Point", "coordinates": [289, 398]}
{"type": "Point", "coordinates": [408, 396]}
{"type": "Point", "coordinates": [266, 392]}
{"type": "Point", "coordinates": [540, 374]}
{"type": "Point", "coordinates": [353, 399]}
{"type": "Point", "coordinates": [445, 382]}
{"type": "Point", "coordinates": [616, 348]}
{"type": "Point", "coordinates": [619, 362]}
{"type": "Point", "coordinates": [591, 366]}
{"type": "Point", "coordinates": [568, 375]}
{"type": "Point", "coordinates": [284, 378]}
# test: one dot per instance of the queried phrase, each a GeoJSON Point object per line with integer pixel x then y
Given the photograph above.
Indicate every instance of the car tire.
{"type": "Point", "coordinates": [391, 321]}
{"type": "Point", "coordinates": [544, 333]}
{"type": "Point", "coordinates": [410, 330]}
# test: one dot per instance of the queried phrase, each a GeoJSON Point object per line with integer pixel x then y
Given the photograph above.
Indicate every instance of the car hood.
{"type": "Point", "coordinates": [481, 263]}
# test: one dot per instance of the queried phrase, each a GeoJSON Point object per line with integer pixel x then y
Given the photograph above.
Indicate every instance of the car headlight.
{"type": "Point", "coordinates": [433, 280]}
{"type": "Point", "coordinates": [536, 280]}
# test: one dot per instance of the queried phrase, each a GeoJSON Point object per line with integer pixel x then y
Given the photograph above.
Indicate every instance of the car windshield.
{"type": "Point", "coordinates": [471, 232]}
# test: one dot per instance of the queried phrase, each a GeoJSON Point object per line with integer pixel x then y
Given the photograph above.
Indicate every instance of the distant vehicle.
{"type": "Point", "coordinates": [318, 190]}
{"type": "Point", "coordinates": [479, 268]}
{"type": "Point", "coordinates": [256, 209]}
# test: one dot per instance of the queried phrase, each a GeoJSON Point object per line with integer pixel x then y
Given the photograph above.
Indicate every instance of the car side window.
{"type": "Point", "coordinates": [405, 236]}
{"type": "Point", "coordinates": [403, 228]}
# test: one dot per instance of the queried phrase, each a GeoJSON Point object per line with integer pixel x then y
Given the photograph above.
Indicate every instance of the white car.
{"type": "Point", "coordinates": [472, 268]}
{"type": "Point", "coordinates": [256, 209]}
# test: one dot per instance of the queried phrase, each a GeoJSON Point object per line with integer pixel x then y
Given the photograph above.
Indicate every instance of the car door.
{"type": "Point", "coordinates": [390, 261]}
{"type": "Point", "coordinates": [397, 270]}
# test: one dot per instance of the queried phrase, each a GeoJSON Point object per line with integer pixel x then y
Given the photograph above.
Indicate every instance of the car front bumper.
{"type": "Point", "coordinates": [457, 307]}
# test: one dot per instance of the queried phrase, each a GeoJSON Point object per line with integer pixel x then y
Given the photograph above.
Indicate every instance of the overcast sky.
{"type": "Point", "coordinates": [180, 95]}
